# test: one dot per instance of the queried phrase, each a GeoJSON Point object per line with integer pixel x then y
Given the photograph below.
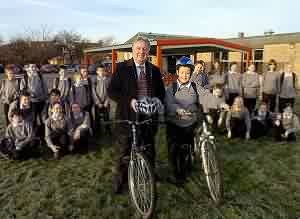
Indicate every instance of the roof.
{"type": "Point", "coordinates": [261, 40]}
{"type": "Point", "coordinates": [154, 36]}
{"type": "Point", "coordinates": [180, 43]}
{"type": "Point", "coordinates": [128, 44]}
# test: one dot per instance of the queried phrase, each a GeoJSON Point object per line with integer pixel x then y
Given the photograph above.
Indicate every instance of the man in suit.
{"type": "Point", "coordinates": [132, 80]}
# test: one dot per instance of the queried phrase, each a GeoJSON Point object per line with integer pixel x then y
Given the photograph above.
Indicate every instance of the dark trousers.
{"type": "Point", "coordinates": [88, 109]}
{"type": "Point", "coordinates": [231, 98]}
{"type": "Point", "coordinates": [178, 139]}
{"type": "Point", "coordinates": [8, 147]}
{"type": "Point", "coordinates": [102, 113]}
{"type": "Point", "coordinates": [258, 129]}
{"type": "Point", "coordinates": [146, 135]}
{"type": "Point", "coordinates": [37, 108]}
{"type": "Point", "coordinates": [81, 145]}
{"type": "Point", "coordinates": [5, 111]}
{"type": "Point", "coordinates": [270, 100]}
{"type": "Point", "coordinates": [63, 141]}
{"type": "Point", "coordinates": [283, 102]}
{"type": "Point", "coordinates": [238, 128]}
{"type": "Point", "coordinates": [278, 131]}
{"type": "Point", "coordinates": [250, 103]}
{"type": "Point", "coordinates": [215, 115]}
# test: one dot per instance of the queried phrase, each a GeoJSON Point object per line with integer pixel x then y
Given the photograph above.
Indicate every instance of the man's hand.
{"type": "Point", "coordinates": [100, 105]}
{"type": "Point", "coordinates": [133, 104]}
{"type": "Point", "coordinates": [106, 104]}
{"type": "Point", "coordinates": [209, 119]}
{"type": "Point", "coordinates": [77, 134]}
{"type": "Point", "coordinates": [277, 123]}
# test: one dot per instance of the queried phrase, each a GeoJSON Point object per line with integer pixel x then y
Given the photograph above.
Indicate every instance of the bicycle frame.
{"type": "Point", "coordinates": [205, 135]}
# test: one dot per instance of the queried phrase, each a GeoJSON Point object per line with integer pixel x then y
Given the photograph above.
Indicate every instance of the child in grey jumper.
{"type": "Point", "coordinates": [80, 128]}
{"type": "Point", "coordinates": [100, 97]}
{"type": "Point", "coordinates": [288, 88]}
{"type": "Point", "coordinates": [238, 121]}
{"type": "Point", "coordinates": [250, 88]}
{"type": "Point", "coordinates": [24, 105]}
{"type": "Point", "coordinates": [19, 138]}
{"type": "Point", "coordinates": [10, 89]}
{"type": "Point", "coordinates": [63, 84]}
{"type": "Point", "coordinates": [56, 132]}
{"type": "Point", "coordinates": [233, 87]}
{"type": "Point", "coordinates": [286, 125]}
{"type": "Point", "coordinates": [271, 85]}
{"type": "Point", "coordinates": [37, 87]}
{"type": "Point", "coordinates": [215, 107]}
{"type": "Point", "coordinates": [216, 75]}
{"type": "Point", "coordinates": [182, 103]}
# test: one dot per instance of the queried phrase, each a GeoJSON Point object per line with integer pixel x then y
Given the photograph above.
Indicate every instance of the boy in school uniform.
{"type": "Point", "coordinates": [24, 105]}
{"type": "Point", "coordinates": [81, 91]}
{"type": "Point", "coordinates": [100, 97]}
{"type": "Point", "coordinates": [63, 83]}
{"type": "Point", "coordinates": [56, 132]}
{"type": "Point", "coordinates": [19, 142]}
{"type": "Point", "coordinates": [54, 97]}
{"type": "Point", "coordinates": [288, 88]}
{"type": "Point", "coordinates": [215, 107]}
{"type": "Point", "coordinates": [10, 89]}
{"type": "Point", "coordinates": [80, 127]}
{"type": "Point", "coordinates": [38, 89]}
{"type": "Point", "coordinates": [182, 103]}
{"type": "Point", "coordinates": [286, 125]}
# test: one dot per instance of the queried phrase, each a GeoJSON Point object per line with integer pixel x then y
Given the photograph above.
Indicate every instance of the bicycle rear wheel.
{"type": "Point", "coordinates": [212, 170]}
{"type": "Point", "coordinates": [142, 185]}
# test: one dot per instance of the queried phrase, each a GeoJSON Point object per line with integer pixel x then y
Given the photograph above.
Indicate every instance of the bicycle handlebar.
{"type": "Point", "coordinates": [129, 122]}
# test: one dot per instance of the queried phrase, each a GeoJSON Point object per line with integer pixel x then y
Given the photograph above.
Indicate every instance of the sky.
{"type": "Point", "coordinates": [96, 19]}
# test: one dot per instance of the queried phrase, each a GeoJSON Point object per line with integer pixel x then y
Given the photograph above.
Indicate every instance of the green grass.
{"type": "Point", "coordinates": [262, 180]}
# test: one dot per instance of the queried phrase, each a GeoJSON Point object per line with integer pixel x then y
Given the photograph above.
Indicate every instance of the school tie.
{"type": "Point", "coordinates": [142, 75]}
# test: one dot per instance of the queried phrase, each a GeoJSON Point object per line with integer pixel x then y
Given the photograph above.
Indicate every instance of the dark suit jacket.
{"type": "Point", "coordinates": [123, 86]}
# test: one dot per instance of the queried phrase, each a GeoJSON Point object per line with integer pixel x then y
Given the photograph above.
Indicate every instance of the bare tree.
{"type": "Point", "coordinates": [106, 41]}
{"type": "Point", "coordinates": [43, 33]}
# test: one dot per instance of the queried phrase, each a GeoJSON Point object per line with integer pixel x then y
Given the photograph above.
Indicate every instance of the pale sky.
{"type": "Point", "coordinates": [121, 19]}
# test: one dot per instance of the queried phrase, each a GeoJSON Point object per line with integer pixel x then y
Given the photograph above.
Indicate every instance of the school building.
{"type": "Point", "coordinates": [165, 49]}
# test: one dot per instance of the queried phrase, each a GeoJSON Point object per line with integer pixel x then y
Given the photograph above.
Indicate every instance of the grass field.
{"type": "Point", "coordinates": [262, 180]}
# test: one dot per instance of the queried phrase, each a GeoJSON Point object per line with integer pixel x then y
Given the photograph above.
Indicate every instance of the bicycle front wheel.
{"type": "Point", "coordinates": [212, 170]}
{"type": "Point", "coordinates": [142, 185]}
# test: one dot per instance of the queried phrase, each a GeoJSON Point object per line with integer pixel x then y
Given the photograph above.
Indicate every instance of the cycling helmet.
{"type": "Point", "coordinates": [149, 106]}
{"type": "Point", "coordinates": [184, 61]}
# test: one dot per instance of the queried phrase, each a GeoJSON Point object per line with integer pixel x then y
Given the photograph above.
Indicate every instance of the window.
{"type": "Point", "coordinates": [225, 55]}
{"type": "Point", "coordinates": [258, 54]}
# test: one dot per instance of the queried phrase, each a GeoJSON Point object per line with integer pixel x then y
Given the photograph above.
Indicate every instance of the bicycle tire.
{"type": "Point", "coordinates": [141, 177]}
{"type": "Point", "coordinates": [211, 167]}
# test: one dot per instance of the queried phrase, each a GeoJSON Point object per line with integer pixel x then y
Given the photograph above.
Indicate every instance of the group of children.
{"type": "Point", "coordinates": [228, 104]}
{"type": "Point", "coordinates": [238, 95]}
{"type": "Point", "coordinates": [62, 118]}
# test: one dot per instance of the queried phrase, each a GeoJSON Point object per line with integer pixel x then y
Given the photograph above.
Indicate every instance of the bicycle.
{"type": "Point", "coordinates": [141, 178]}
{"type": "Point", "coordinates": [205, 147]}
